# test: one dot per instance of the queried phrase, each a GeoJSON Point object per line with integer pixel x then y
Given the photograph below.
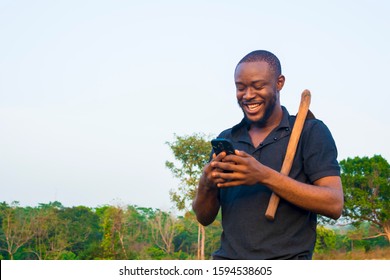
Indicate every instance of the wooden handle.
{"type": "Point", "coordinates": [291, 149]}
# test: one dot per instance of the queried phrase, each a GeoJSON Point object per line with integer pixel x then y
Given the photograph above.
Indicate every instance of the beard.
{"type": "Point", "coordinates": [269, 108]}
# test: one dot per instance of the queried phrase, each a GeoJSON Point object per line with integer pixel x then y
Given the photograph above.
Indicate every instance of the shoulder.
{"type": "Point", "coordinates": [316, 136]}
{"type": "Point", "coordinates": [228, 133]}
{"type": "Point", "coordinates": [313, 127]}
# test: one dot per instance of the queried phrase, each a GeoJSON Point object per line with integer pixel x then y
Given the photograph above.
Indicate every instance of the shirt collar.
{"type": "Point", "coordinates": [284, 123]}
{"type": "Point", "coordinates": [240, 131]}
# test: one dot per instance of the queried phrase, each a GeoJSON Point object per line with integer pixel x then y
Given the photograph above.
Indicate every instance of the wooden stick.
{"type": "Point", "coordinates": [291, 149]}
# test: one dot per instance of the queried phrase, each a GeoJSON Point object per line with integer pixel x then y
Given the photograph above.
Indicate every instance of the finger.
{"type": "Point", "coordinates": [216, 175]}
{"type": "Point", "coordinates": [234, 160]}
{"type": "Point", "coordinates": [225, 166]}
{"type": "Point", "coordinates": [241, 153]}
{"type": "Point", "coordinates": [231, 158]}
{"type": "Point", "coordinates": [217, 178]}
{"type": "Point", "coordinates": [219, 157]}
{"type": "Point", "coordinates": [229, 184]}
{"type": "Point", "coordinates": [228, 176]}
{"type": "Point", "coordinates": [236, 156]}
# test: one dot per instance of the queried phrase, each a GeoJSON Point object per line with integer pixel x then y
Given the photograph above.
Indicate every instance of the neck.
{"type": "Point", "coordinates": [259, 131]}
{"type": "Point", "coordinates": [271, 122]}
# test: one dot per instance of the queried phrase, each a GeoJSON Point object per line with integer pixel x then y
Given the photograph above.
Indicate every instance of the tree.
{"type": "Point", "coordinates": [114, 231]}
{"type": "Point", "coordinates": [163, 231]}
{"type": "Point", "coordinates": [366, 183]}
{"type": "Point", "coordinates": [326, 240]}
{"type": "Point", "coordinates": [191, 154]}
{"type": "Point", "coordinates": [53, 232]}
{"type": "Point", "coordinates": [186, 239]}
{"type": "Point", "coordinates": [137, 239]}
{"type": "Point", "coordinates": [16, 228]}
{"type": "Point", "coordinates": [84, 234]}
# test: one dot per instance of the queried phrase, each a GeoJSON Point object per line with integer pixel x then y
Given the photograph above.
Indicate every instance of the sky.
{"type": "Point", "coordinates": [91, 91]}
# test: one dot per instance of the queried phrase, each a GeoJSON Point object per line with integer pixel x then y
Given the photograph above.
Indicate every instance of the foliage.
{"type": "Point", "coordinates": [106, 232]}
{"type": "Point", "coordinates": [132, 232]}
{"type": "Point", "coordinates": [16, 228]}
{"type": "Point", "coordinates": [326, 240]}
{"type": "Point", "coordinates": [163, 231]}
{"type": "Point", "coordinates": [191, 154]}
{"type": "Point", "coordinates": [51, 231]}
{"type": "Point", "coordinates": [366, 183]}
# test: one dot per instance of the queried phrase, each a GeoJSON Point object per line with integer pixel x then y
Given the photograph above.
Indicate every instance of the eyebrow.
{"type": "Point", "coordinates": [252, 82]}
{"type": "Point", "coordinates": [259, 81]}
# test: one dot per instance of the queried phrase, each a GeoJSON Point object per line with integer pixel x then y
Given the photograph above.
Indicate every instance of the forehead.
{"type": "Point", "coordinates": [259, 70]}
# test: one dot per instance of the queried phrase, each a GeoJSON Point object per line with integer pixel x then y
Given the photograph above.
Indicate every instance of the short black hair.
{"type": "Point", "coordinates": [266, 56]}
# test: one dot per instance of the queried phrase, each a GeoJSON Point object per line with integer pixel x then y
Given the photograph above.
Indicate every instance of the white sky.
{"type": "Point", "coordinates": [90, 91]}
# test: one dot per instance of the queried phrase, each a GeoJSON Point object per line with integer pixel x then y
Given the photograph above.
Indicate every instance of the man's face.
{"type": "Point", "coordinates": [257, 89]}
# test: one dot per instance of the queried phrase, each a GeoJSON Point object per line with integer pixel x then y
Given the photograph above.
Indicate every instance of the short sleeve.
{"type": "Point", "coordinates": [319, 152]}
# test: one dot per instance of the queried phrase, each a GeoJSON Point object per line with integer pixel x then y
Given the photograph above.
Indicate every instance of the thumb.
{"type": "Point", "coordinates": [241, 153]}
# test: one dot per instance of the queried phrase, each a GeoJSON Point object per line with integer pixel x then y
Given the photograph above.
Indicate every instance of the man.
{"type": "Point", "coordinates": [260, 139]}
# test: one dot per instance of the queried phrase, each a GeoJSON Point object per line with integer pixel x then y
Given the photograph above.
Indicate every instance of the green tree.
{"type": "Point", "coordinates": [191, 154]}
{"type": "Point", "coordinates": [163, 231]}
{"type": "Point", "coordinates": [366, 183]}
{"type": "Point", "coordinates": [84, 232]}
{"type": "Point", "coordinates": [126, 232]}
{"type": "Point", "coordinates": [187, 234]}
{"type": "Point", "coordinates": [53, 233]}
{"type": "Point", "coordinates": [113, 243]}
{"type": "Point", "coordinates": [16, 228]}
{"type": "Point", "coordinates": [326, 240]}
{"type": "Point", "coordinates": [138, 234]}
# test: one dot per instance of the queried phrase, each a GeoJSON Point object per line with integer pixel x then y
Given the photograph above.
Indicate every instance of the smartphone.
{"type": "Point", "coordinates": [222, 144]}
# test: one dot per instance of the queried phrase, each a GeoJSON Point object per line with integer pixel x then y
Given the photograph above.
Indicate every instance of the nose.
{"type": "Point", "coordinates": [249, 93]}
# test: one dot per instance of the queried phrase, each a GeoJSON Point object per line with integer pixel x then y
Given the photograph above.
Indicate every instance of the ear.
{"type": "Point", "coordinates": [280, 82]}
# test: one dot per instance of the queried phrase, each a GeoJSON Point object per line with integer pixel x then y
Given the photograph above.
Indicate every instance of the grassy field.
{"type": "Point", "coordinates": [374, 254]}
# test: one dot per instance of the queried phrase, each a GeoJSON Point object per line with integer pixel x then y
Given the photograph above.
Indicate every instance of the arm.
{"type": "Point", "coordinates": [206, 203]}
{"type": "Point", "coordinates": [324, 196]}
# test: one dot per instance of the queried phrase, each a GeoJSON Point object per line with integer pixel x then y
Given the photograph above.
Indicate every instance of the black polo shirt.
{"type": "Point", "coordinates": [247, 234]}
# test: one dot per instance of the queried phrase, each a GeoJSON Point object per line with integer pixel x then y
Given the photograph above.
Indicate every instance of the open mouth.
{"type": "Point", "coordinates": [253, 107]}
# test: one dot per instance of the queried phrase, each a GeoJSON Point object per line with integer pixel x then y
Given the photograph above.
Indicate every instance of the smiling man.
{"type": "Point", "coordinates": [260, 139]}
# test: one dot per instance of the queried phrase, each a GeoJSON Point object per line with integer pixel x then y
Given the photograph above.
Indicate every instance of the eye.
{"type": "Point", "coordinates": [258, 86]}
{"type": "Point", "coordinates": [240, 87]}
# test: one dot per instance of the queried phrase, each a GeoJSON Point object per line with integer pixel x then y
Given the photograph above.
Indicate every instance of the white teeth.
{"type": "Point", "coordinates": [253, 106]}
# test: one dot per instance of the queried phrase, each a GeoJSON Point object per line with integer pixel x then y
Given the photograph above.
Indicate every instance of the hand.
{"type": "Point", "coordinates": [246, 170]}
{"type": "Point", "coordinates": [208, 179]}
